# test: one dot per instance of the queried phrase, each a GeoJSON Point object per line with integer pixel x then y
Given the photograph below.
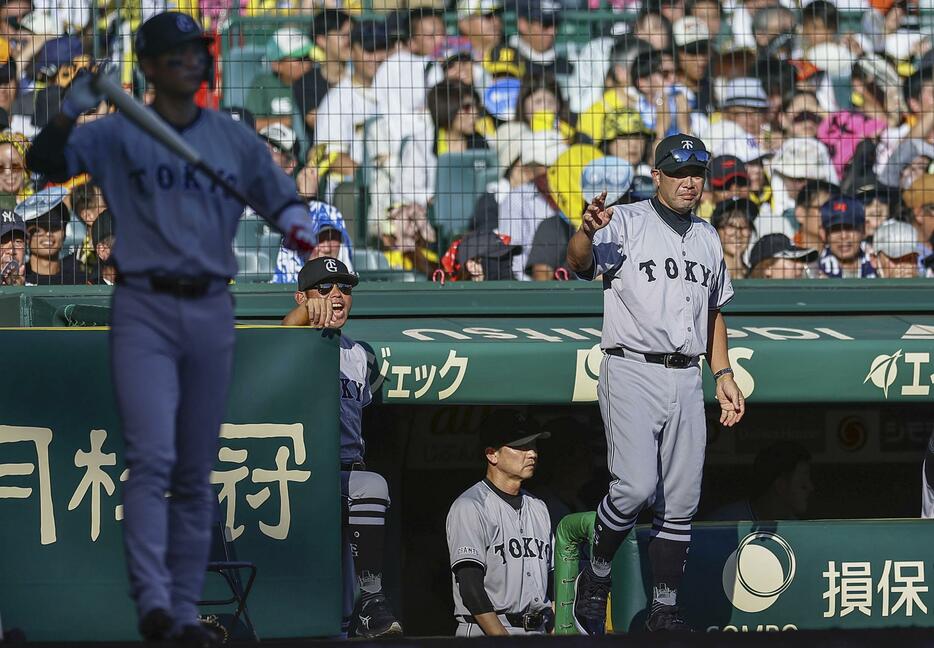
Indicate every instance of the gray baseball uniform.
{"type": "Point", "coordinates": [513, 547]}
{"type": "Point", "coordinates": [659, 287]}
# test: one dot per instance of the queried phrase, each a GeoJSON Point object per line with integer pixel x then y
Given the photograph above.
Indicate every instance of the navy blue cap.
{"type": "Point", "coordinates": [56, 53]}
{"type": "Point", "coordinates": [371, 35]}
{"type": "Point", "coordinates": [842, 211]}
{"type": "Point", "coordinates": [11, 222]}
{"type": "Point", "coordinates": [166, 31]}
{"type": "Point", "coordinates": [546, 12]}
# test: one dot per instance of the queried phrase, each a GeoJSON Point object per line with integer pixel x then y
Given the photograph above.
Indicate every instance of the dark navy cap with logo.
{"type": "Point", "coordinates": [509, 428]}
{"type": "Point", "coordinates": [11, 222]}
{"type": "Point", "coordinates": [725, 168]}
{"type": "Point", "coordinates": [681, 151]}
{"type": "Point", "coordinates": [546, 12]}
{"type": "Point", "coordinates": [166, 31]}
{"type": "Point", "coordinates": [842, 212]}
{"type": "Point", "coordinates": [371, 35]}
{"type": "Point", "coordinates": [325, 270]}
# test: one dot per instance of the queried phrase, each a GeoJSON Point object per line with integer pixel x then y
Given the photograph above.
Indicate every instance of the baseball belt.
{"type": "Point", "coordinates": [190, 287]}
{"type": "Point", "coordinates": [670, 360]}
{"type": "Point", "coordinates": [527, 620]}
{"type": "Point", "coordinates": [356, 465]}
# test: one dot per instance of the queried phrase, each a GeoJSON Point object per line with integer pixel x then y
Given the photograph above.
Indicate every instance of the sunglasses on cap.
{"type": "Point", "coordinates": [682, 155]}
{"type": "Point", "coordinates": [325, 288]}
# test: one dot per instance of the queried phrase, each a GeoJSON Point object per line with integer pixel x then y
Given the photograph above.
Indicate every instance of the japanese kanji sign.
{"type": "Point", "coordinates": [61, 473]}
{"type": "Point", "coordinates": [792, 575]}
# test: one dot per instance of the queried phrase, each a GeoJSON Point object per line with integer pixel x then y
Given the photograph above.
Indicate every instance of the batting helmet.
{"type": "Point", "coordinates": [166, 31]}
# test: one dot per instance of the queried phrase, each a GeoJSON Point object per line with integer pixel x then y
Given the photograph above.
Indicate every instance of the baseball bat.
{"type": "Point", "coordinates": [150, 122]}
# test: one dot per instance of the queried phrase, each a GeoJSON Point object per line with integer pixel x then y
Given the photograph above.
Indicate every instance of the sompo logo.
{"type": "Point", "coordinates": [884, 371]}
{"type": "Point", "coordinates": [761, 568]}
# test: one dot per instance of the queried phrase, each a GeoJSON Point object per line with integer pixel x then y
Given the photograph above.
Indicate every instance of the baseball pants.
{"type": "Point", "coordinates": [656, 436]}
{"type": "Point", "coordinates": [474, 630]}
{"type": "Point", "coordinates": [171, 360]}
{"type": "Point", "coordinates": [365, 498]}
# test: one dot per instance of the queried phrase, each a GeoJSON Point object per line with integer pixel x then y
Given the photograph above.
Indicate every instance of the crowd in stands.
{"type": "Point", "coordinates": [462, 141]}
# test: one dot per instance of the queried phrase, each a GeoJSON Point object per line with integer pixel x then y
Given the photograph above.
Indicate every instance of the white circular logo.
{"type": "Point", "coordinates": [331, 265]}
{"type": "Point", "coordinates": [761, 568]}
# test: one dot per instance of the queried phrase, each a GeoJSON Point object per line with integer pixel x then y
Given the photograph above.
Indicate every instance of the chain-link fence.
{"type": "Point", "coordinates": [463, 141]}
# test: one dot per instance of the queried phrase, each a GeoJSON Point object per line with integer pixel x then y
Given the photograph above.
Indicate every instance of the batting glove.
{"type": "Point", "coordinates": [81, 96]}
{"type": "Point", "coordinates": [297, 230]}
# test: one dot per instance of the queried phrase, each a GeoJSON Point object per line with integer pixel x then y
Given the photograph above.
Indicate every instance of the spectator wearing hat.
{"type": "Point", "coordinates": [330, 32]}
{"type": "Point", "coordinates": [403, 79]}
{"type": "Point", "coordinates": [774, 29]}
{"type": "Point", "coordinates": [692, 56]}
{"type": "Point", "coordinates": [774, 256]}
{"type": "Point", "coordinates": [102, 236]}
{"type": "Point", "coordinates": [530, 203]}
{"type": "Point", "coordinates": [282, 145]}
{"type": "Point", "coordinates": [743, 105]}
{"type": "Point", "coordinates": [896, 250]}
{"type": "Point", "coordinates": [626, 136]}
{"type": "Point", "coordinates": [485, 256]}
{"type": "Point", "coordinates": [808, 202]}
{"type": "Point", "coordinates": [332, 240]}
{"type": "Point", "coordinates": [728, 179]}
{"type": "Point", "coordinates": [12, 249]}
{"type": "Point", "coordinates": [709, 12]}
{"type": "Point", "coordinates": [481, 23]}
{"type": "Point", "coordinates": [910, 160]}
{"type": "Point", "coordinates": [919, 198]}
{"type": "Point", "coordinates": [46, 215]}
{"type": "Point", "coordinates": [741, 23]}
{"type": "Point", "coordinates": [733, 219]}
{"type": "Point", "coordinates": [537, 24]}
{"type": "Point", "coordinates": [270, 98]}
{"type": "Point", "coordinates": [457, 65]}
{"type": "Point", "coordinates": [798, 160]}
{"type": "Point", "coordinates": [339, 134]}
{"type": "Point", "coordinates": [843, 227]}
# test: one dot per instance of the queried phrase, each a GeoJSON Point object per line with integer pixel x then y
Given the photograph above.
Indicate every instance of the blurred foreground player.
{"type": "Point", "coordinates": [324, 299]}
{"type": "Point", "coordinates": [172, 334]}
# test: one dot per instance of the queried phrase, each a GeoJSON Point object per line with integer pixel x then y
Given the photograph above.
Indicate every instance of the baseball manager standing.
{"type": "Point", "coordinates": [664, 283]}
{"type": "Point", "coordinates": [172, 333]}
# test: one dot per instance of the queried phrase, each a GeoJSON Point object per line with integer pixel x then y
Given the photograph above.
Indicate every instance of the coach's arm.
{"type": "Point", "coordinates": [732, 402]}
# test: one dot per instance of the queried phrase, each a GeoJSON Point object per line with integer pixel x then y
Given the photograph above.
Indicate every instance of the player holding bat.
{"type": "Point", "coordinates": [172, 333]}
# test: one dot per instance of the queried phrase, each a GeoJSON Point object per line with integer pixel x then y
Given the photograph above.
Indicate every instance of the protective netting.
{"type": "Point", "coordinates": [462, 141]}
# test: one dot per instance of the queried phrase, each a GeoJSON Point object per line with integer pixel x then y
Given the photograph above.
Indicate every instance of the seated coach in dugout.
{"type": "Point", "coordinates": [499, 538]}
{"type": "Point", "coordinates": [323, 301]}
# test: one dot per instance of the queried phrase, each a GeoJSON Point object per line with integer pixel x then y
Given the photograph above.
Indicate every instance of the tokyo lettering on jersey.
{"type": "Point", "coordinates": [658, 286]}
{"type": "Point", "coordinates": [355, 395]}
{"type": "Point", "coordinates": [514, 548]}
{"type": "Point", "coordinates": [172, 219]}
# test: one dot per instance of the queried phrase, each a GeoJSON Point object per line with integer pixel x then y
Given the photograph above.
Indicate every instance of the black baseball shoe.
{"type": "Point", "coordinates": [198, 636]}
{"type": "Point", "coordinates": [666, 618]}
{"type": "Point", "coordinates": [155, 625]}
{"type": "Point", "coordinates": [374, 619]}
{"type": "Point", "coordinates": [590, 595]}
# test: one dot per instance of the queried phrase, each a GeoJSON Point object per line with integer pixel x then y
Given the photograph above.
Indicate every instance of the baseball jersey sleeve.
{"type": "Point", "coordinates": [721, 289]}
{"type": "Point", "coordinates": [89, 149]}
{"type": "Point", "coordinates": [466, 533]}
{"type": "Point", "coordinates": [607, 249]}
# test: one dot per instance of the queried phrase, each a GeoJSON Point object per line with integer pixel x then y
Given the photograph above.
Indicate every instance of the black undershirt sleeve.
{"type": "Point", "coordinates": [47, 153]}
{"type": "Point", "coordinates": [469, 576]}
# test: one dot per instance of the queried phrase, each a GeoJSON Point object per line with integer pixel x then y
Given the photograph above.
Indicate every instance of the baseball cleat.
{"type": "Point", "coordinates": [590, 596]}
{"type": "Point", "coordinates": [375, 620]}
{"type": "Point", "coordinates": [155, 625]}
{"type": "Point", "coordinates": [666, 618]}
